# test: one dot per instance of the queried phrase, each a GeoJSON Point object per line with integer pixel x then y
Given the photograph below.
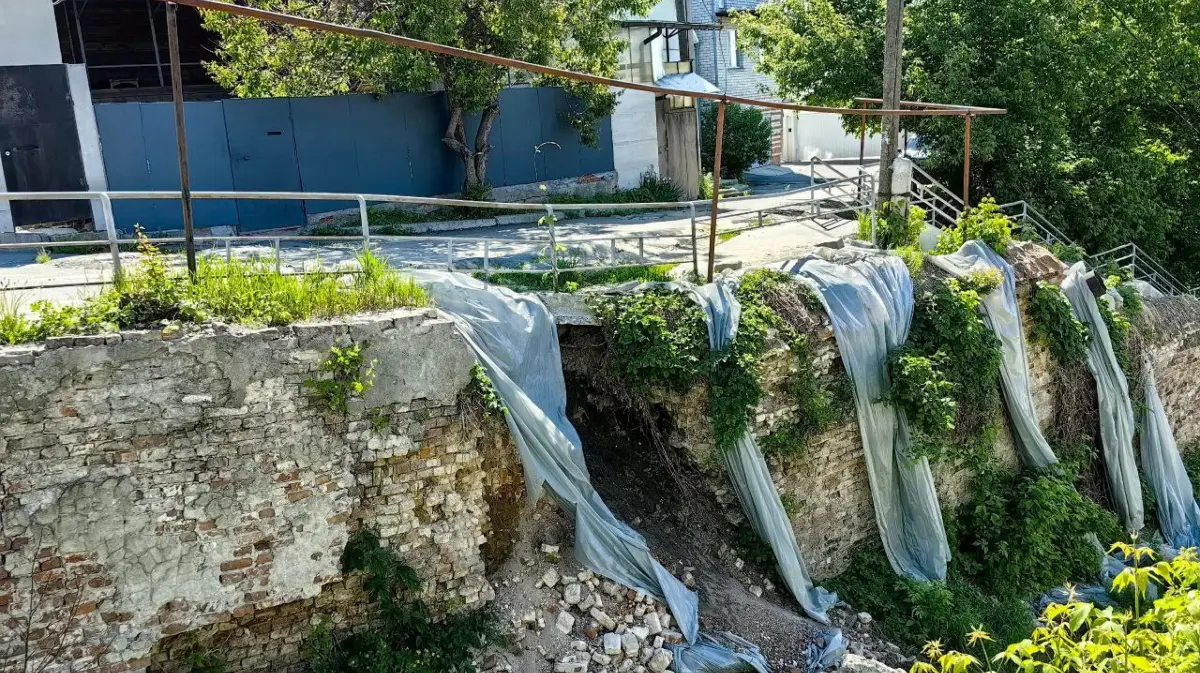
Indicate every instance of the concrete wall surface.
{"type": "Point", "coordinates": [28, 33]}
{"type": "Point", "coordinates": [155, 486]}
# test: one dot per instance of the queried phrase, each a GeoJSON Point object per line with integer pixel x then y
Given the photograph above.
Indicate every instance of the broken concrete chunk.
{"type": "Point", "coordinates": [660, 661]}
{"type": "Point", "coordinates": [612, 644]}
{"type": "Point", "coordinates": [573, 593]}
{"type": "Point", "coordinates": [565, 622]}
{"type": "Point", "coordinates": [550, 578]}
{"type": "Point", "coordinates": [653, 624]}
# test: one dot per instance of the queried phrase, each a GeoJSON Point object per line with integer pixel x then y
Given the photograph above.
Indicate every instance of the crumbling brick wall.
{"type": "Point", "coordinates": [1174, 350]}
{"type": "Point", "coordinates": [183, 485]}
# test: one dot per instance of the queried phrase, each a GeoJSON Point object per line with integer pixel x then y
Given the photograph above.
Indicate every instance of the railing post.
{"type": "Point", "coordinates": [612, 252]}
{"type": "Point", "coordinates": [228, 250]}
{"type": "Point", "coordinates": [278, 267]}
{"type": "Point", "coordinates": [553, 245]}
{"type": "Point", "coordinates": [110, 228]}
{"type": "Point", "coordinates": [641, 250]}
{"type": "Point", "coordinates": [695, 252]}
{"type": "Point", "coordinates": [366, 226]}
{"type": "Point", "coordinates": [760, 219]}
{"type": "Point", "coordinates": [487, 245]}
{"type": "Point", "coordinates": [450, 254]}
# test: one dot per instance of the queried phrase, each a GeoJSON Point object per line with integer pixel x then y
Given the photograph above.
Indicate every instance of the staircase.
{"type": "Point", "coordinates": [944, 208]}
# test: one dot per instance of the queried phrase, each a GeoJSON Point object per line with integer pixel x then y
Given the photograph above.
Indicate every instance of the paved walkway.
{"type": "Point", "coordinates": [664, 237]}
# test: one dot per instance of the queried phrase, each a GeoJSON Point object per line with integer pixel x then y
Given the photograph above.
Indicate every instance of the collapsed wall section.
{"type": "Point", "coordinates": [179, 485]}
{"type": "Point", "coordinates": [1174, 350]}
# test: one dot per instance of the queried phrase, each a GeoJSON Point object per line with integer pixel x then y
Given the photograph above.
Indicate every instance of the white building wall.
{"type": "Point", "coordinates": [28, 33]}
{"type": "Point", "coordinates": [89, 137]}
{"type": "Point", "coordinates": [635, 137]}
{"type": "Point", "coordinates": [820, 134]}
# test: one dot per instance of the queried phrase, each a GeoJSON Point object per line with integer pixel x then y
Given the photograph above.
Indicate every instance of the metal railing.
{"type": "Point", "coordinates": [947, 207]}
{"type": "Point", "coordinates": [550, 246]}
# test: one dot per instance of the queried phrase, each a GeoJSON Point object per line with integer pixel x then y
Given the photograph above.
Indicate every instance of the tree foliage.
{"type": "Point", "coordinates": [1102, 97]}
{"type": "Point", "coordinates": [258, 59]}
{"type": "Point", "coordinates": [746, 141]}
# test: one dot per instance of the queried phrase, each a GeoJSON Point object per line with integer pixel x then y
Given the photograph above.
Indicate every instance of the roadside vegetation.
{"type": "Point", "coordinates": [249, 292]}
{"type": "Point", "coordinates": [573, 281]}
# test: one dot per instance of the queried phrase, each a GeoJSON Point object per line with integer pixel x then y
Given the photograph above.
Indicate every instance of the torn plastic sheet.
{"type": "Point", "coordinates": [869, 298]}
{"type": "Point", "coordinates": [1003, 315]}
{"type": "Point", "coordinates": [717, 652]}
{"type": "Point", "coordinates": [744, 462]}
{"type": "Point", "coordinates": [516, 340]}
{"type": "Point", "coordinates": [1116, 412]}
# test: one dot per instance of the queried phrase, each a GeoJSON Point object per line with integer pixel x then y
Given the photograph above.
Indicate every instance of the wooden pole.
{"type": "Point", "coordinates": [967, 165]}
{"type": "Point", "coordinates": [712, 222]}
{"type": "Point", "coordinates": [185, 182]}
{"type": "Point", "coordinates": [893, 52]}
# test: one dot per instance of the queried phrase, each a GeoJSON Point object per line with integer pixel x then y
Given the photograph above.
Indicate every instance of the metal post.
{"type": "Point", "coordinates": [110, 228]}
{"type": "Point", "coordinates": [553, 245]}
{"type": "Point", "coordinates": [641, 250]}
{"type": "Point", "coordinates": [862, 154]}
{"type": "Point", "coordinates": [366, 226]}
{"type": "Point", "coordinates": [967, 165]}
{"type": "Point", "coordinates": [185, 182]}
{"type": "Point", "coordinates": [612, 251]}
{"type": "Point", "coordinates": [760, 219]}
{"type": "Point", "coordinates": [712, 223]}
{"type": "Point", "coordinates": [278, 267]}
{"type": "Point", "coordinates": [487, 245]}
{"type": "Point", "coordinates": [450, 255]}
{"type": "Point", "coordinates": [228, 250]}
{"type": "Point", "coordinates": [695, 254]}
{"type": "Point", "coordinates": [154, 41]}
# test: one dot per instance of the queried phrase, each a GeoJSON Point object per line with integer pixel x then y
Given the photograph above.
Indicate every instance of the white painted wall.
{"type": "Point", "coordinates": [635, 137]}
{"type": "Point", "coordinates": [89, 138]}
{"type": "Point", "coordinates": [808, 134]}
{"type": "Point", "coordinates": [28, 34]}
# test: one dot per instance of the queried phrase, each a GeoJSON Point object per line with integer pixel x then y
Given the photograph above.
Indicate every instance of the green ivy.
{"type": "Point", "coordinates": [1055, 326]}
{"type": "Point", "coordinates": [921, 391]}
{"type": "Point", "coordinates": [482, 389]}
{"type": "Point", "coordinates": [406, 638]}
{"type": "Point", "coordinates": [948, 330]}
{"type": "Point", "coordinates": [1068, 253]}
{"type": "Point", "coordinates": [897, 225]}
{"type": "Point", "coordinates": [1118, 333]}
{"type": "Point", "coordinates": [350, 376]}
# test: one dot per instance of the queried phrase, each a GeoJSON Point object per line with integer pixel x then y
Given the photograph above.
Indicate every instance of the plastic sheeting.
{"type": "Point", "coordinates": [1178, 514]}
{"type": "Point", "coordinates": [869, 299]}
{"type": "Point", "coordinates": [516, 341]}
{"type": "Point", "coordinates": [1002, 313]}
{"type": "Point", "coordinates": [1116, 412]}
{"type": "Point", "coordinates": [717, 653]}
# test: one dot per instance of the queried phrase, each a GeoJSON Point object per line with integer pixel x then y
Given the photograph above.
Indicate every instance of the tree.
{"type": "Point", "coordinates": [257, 59]}
{"type": "Point", "coordinates": [1103, 100]}
{"type": "Point", "coordinates": [747, 138]}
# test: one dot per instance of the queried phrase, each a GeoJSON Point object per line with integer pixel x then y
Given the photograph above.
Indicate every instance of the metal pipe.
{"type": "Point", "coordinates": [486, 262]}
{"type": "Point", "coordinates": [695, 252]}
{"type": "Point", "coordinates": [450, 255]}
{"type": "Point", "coordinates": [966, 197]}
{"type": "Point", "coordinates": [185, 181]}
{"type": "Point", "coordinates": [110, 228]}
{"type": "Point", "coordinates": [366, 225]}
{"type": "Point", "coordinates": [277, 261]}
{"type": "Point", "coordinates": [154, 41]}
{"type": "Point", "coordinates": [313, 24]}
{"type": "Point", "coordinates": [712, 223]}
{"type": "Point", "coordinates": [553, 245]}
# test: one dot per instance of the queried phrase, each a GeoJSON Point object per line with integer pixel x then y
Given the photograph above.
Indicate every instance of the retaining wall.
{"type": "Point", "coordinates": [161, 488]}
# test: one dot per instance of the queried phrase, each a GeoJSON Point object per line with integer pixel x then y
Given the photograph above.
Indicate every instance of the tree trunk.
{"type": "Point", "coordinates": [474, 160]}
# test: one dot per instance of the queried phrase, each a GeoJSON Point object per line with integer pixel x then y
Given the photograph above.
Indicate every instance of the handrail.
{"type": "Point", "coordinates": [933, 182]}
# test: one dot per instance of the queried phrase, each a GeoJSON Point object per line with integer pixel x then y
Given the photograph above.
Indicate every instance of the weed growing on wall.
{"type": "Point", "coordinates": [350, 376]}
{"type": "Point", "coordinates": [246, 292]}
{"type": "Point", "coordinates": [484, 393]}
{"type": "Point", "coordinates": [920, 389]}
{"type": "Point", "coordinates": [571, 281]}
{"type": "Point", "coordinates": [985, 222]}
{"type": "Point", "coordinates": [1055, 326]}
{"type": "Point", "coordinates": [407, 638]}
{"type": "Point", "coordinates": [897, 225]}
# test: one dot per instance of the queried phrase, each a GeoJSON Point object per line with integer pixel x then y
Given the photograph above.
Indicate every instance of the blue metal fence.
{"type": "Point", "coordinates": [354, 144]}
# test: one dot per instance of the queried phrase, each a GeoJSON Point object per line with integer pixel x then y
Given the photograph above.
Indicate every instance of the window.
{"type": "Point", "coordinates": [735, 54]}
{"type": "Point", "coordinates": [634, 62]}
{"type": "Point", "coordinates": [675, 47]}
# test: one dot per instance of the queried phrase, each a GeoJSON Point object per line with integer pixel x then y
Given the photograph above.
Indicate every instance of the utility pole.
{"type": "Point", "coordinates": [893, 50]}
{"type": "Point", "coordinates": [185, 181]}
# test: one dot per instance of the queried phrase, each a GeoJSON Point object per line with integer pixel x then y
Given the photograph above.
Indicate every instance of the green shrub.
{"type": "Point", "coordinates": [482, 390]}
{"type": "Point", "coordinates": [747, 139]}
{"type": "Point", "coordinates": [406, 638]}
{"type": "Point", "coordinates": [350, 376]}
{"type": "Point", "coordinates": [913, 257]}
{"type": "Point", "coordinates": [1055, 326]}
{"type": "Point", "coordinates": [657, 337]}
{"type": "Point", "coordinates": [1118, 333]}
{"type": "Point", "coordinates": [1069, 253]}
{"type": "Point", "coordinates": [984, 222]}
{"type": "Point", "coordinates": [572, 281]}
{"type": "Point", "coordinates": [706, 185]}
{"type": "Point", "coordinates": [897, 225]}
{"type": "Point", "coordinates": [1191, 463]}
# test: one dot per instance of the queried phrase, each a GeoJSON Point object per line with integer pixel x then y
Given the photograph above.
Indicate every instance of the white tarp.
{"type": "Point", "coordinates": [516, 340]}
{"type": "Point", "coordinates": [1116, 412]}
{"type": "Point", "coordinates": [1004, 316]}
{"type": "Point", "coordinates": [1178, 514]}
{"type": "Point", "coordinates": [869, 298]}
